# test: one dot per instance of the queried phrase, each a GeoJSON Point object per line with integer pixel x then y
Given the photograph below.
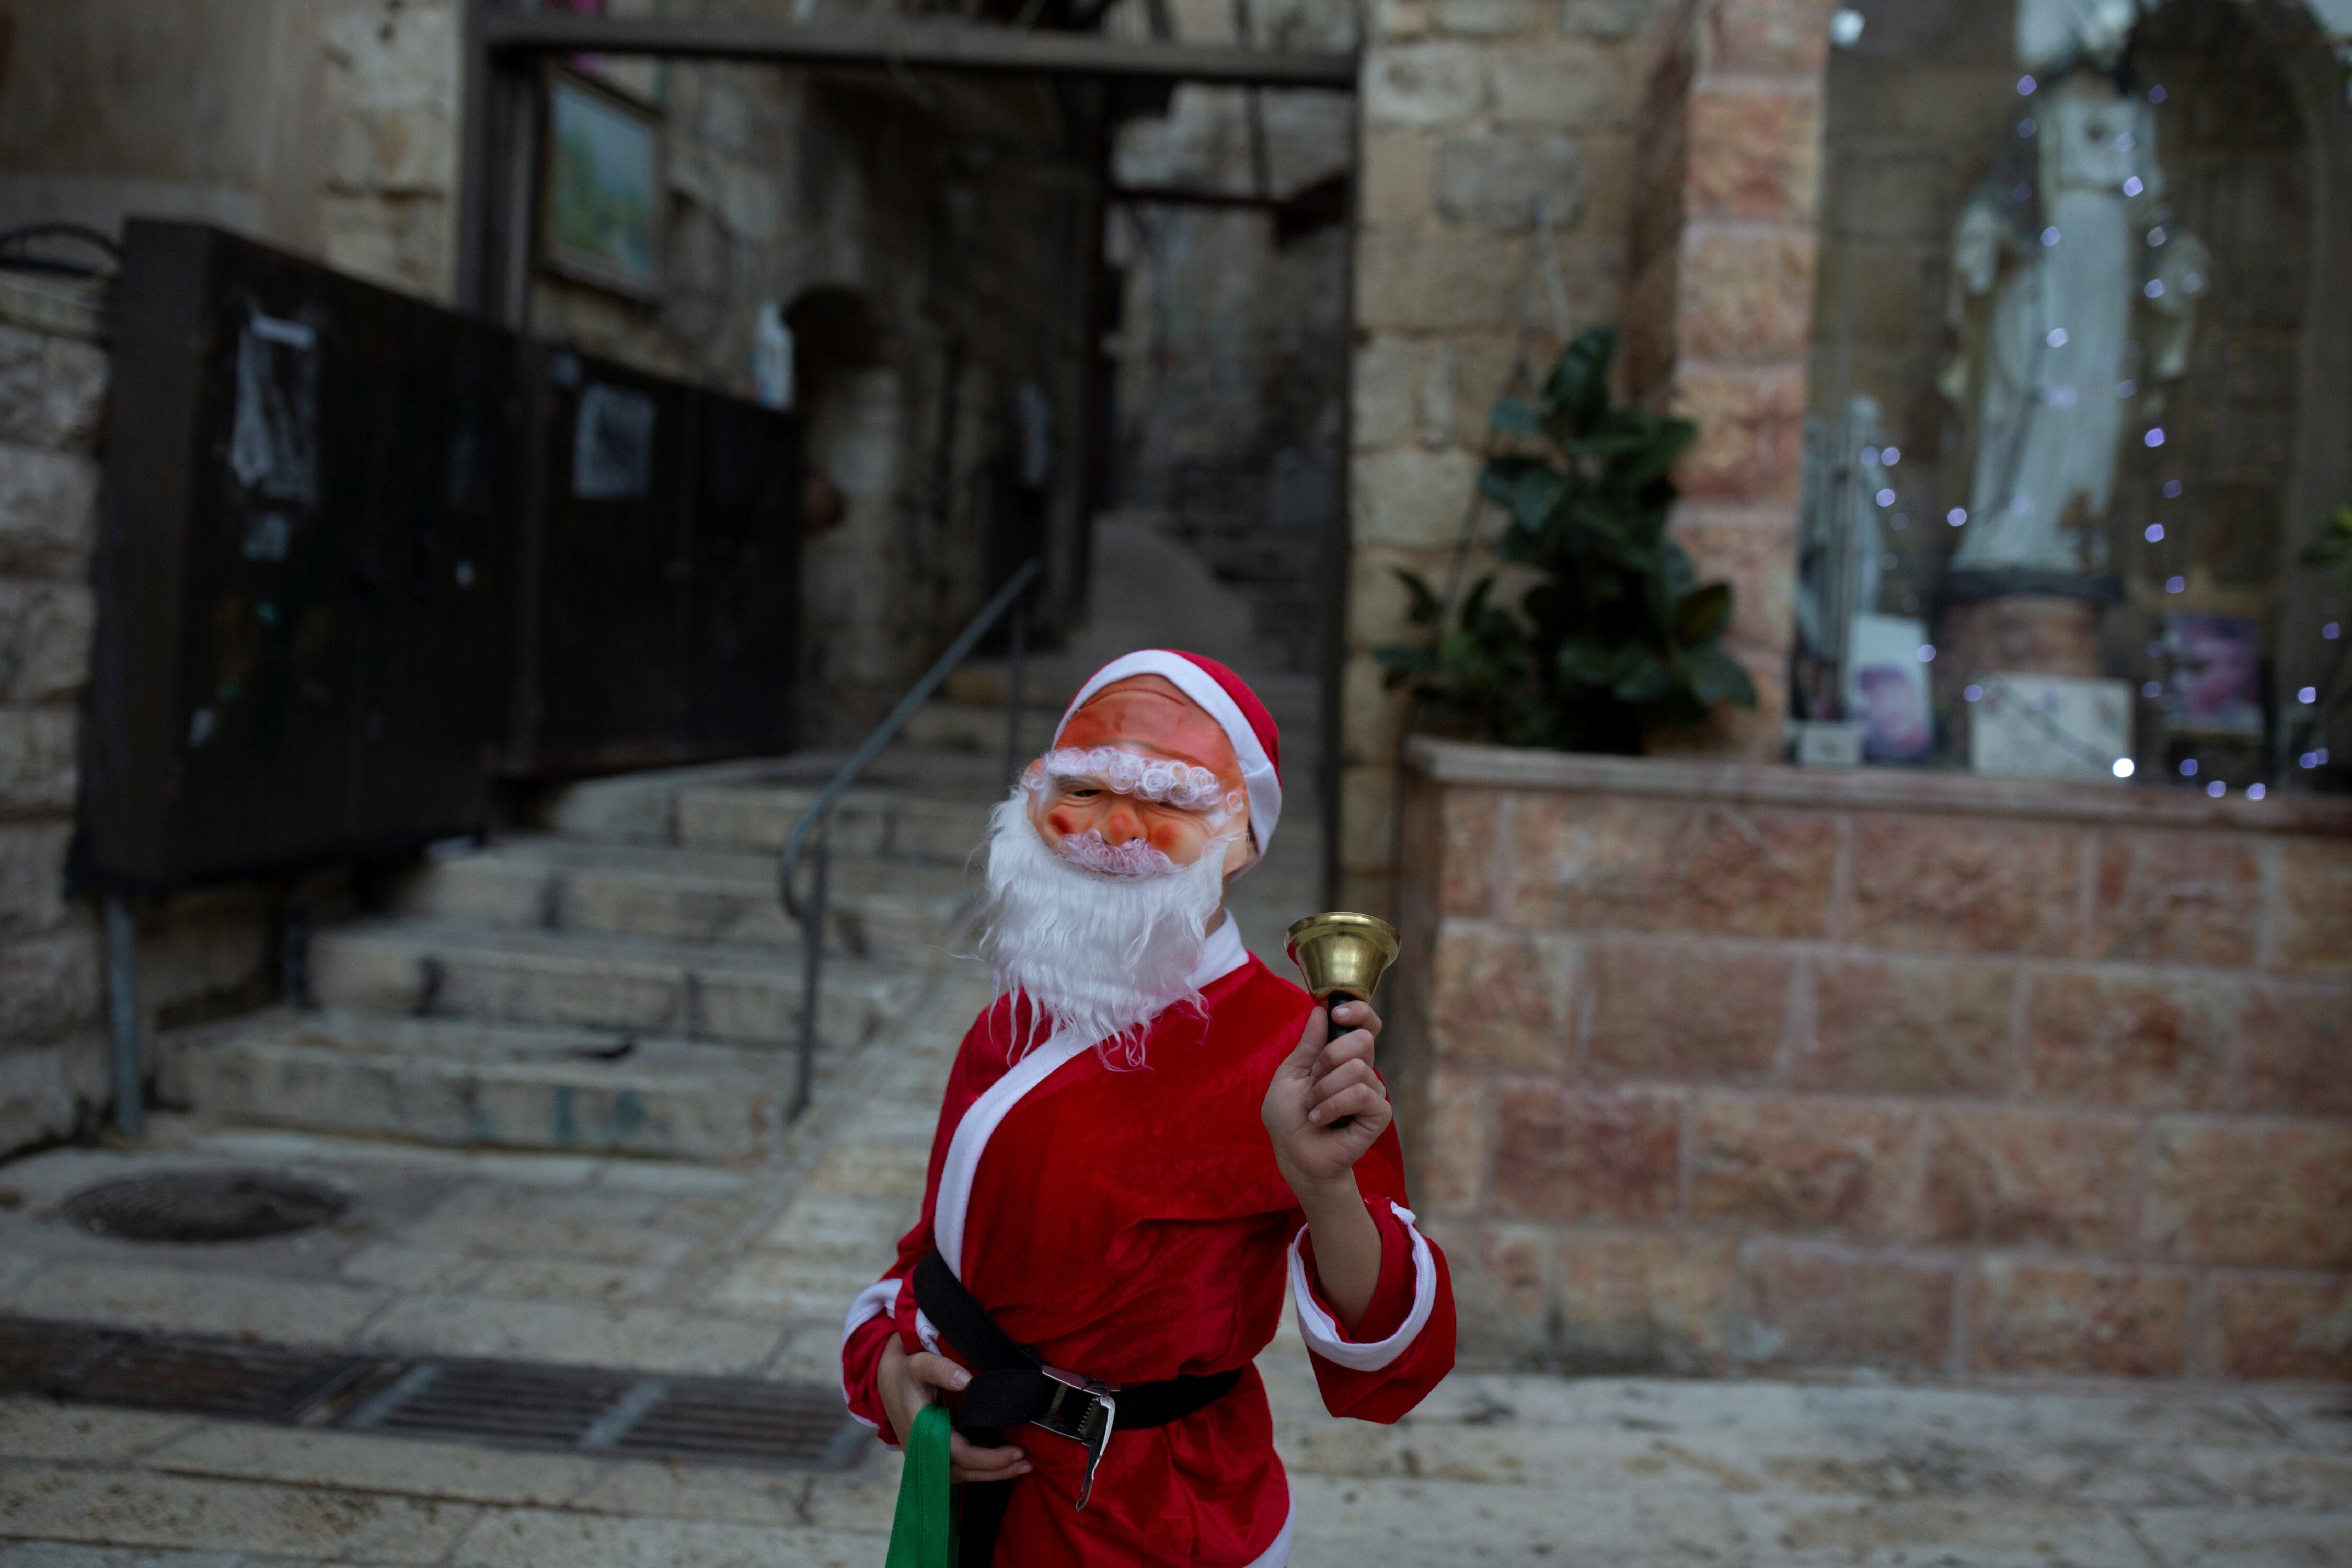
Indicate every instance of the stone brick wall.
{"type": "Point", "coordinates": [52, 1056]}
{"type": "Point", "coordinates": [1709, 1067]}
{"type": "Point", "coordinates": [1678, 145]}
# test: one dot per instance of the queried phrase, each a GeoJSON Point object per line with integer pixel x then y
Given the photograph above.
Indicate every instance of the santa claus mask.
{"type": "Point", "coordinates": [1108, 864]}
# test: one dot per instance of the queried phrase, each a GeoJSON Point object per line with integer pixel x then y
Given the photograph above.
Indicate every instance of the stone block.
{"type": "Point", "coordinates": [1769, 37]}
{"type": "Point", "coordinates": [1366, 818]}
{"type": "Point", "coordinates": [2284, 1327]}
{"type": "Point", "coordinates": [1602, 864]}
{"type": "Point", "coordinates": [1747, 296]}
{"type": "Point", "coordinates": [1574, 1153]}
{"type": "Point", "coordinates": [1498, 177]}
{"type": "Point", "coordinates": [1816, 1305]}
{"type": "Point", "coordinates": [1565, 85]}
{"type": "Point", "coordinates": [2032, 1315]}
{"type": "Point", "coordinates": [52, 390]}
{"type": "Point", "coordinates": [1378, 608]}
{"type": "Point", "coordinates": [49, 513]}
{"type": "Point", "coordinates": [1794, 1162]}
{"type": "Point", "coordinates": [2009, 1176]}
{"type": "Point", "coordinates": [1422, 84]}
{"type": "Point", "coordinates": [1485, 18]}
{"type": "Point", "coordinates": [2294, 1044]}
{"type": "Point", "coordinates": [1503, 998]}
{"type": "Point", "coordinates": [32, 873]}
{"type": "Point", "coordinates": [1754, 155]}
{"type": "Point", "coordinates": [2184, 898]}
{"type": "Point", "coordinates": [2311, 921]}
{"type": "Point", "coordinates": [37, 767]}
{"type": "Point", "coordinates": [1646, 1301]}
{"type": "Point", "coordinates": [1435, 283]}
{"type": "Point", "coordinates": [1608, 20]}
{"type": "Point", "coordinates": [1909, 1025]}
{"type": "Point", "coordinates": [1467, 826]}
{"type": "Point", "coordinates": [50, 1091]}
{"type": "Point", "coordinates": [51, 984]}
{"type": "Point", "coordinates": [1503, 1275]}
{"type": "Point", "coordinates": [1372, 715]}
{"type": "Point", "coordinates": [1382, 389]}
{"type": "Point", "coordinates": [1451, 1155]}
{"type": "Point", "coordinates": [1750, 432]}
{"type": "Point", "coordinates": [1413, 498]}
{"type": "Point", "coordinates": [1758, 557]}
{"type": "Point", "coordinates": [45, 630]}
{"type": "Point", "coordinates": [1957, 885]}
{"type": "Point", "coordinates": [2153, 1043]}
{"type": "Point", "coordinates": [2225, 1190]}
{"type": "Point", "coordinates": [1703, 1011]}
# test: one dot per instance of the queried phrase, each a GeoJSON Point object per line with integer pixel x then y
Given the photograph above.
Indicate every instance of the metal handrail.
{"type": "Point", "coordinates": [810, 915]}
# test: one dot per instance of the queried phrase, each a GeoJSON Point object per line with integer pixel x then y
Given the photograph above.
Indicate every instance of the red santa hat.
{"type": "Point", "coordinates": [1224, 697]}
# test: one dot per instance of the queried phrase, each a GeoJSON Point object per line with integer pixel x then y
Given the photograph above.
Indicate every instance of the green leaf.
{"type": "Point", "coordinates": [1589, 663]}
{"type": "Point", "coordinates": [1650, 679]}
{"type": "Point", "coordinates": [1577, 387]}
{"type": "Point", "coordinates": [1703, 613]}
{"type": "Point", "coordinates": [1515, 417]}
{"type": "Point", "coordinates": [1425, 610]}
{"type": "Point", "coordinates": [1715, 676]}
{"type": "Point", "coordinates": [2334, 545]}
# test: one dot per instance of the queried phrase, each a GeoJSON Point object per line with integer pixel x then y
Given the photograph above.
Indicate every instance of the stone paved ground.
{"type": "Point", "coordinates": [672, 1267]}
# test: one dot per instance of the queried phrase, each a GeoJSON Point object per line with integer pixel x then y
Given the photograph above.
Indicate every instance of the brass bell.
{"type": "Point", "coordinates": [1342, 955]}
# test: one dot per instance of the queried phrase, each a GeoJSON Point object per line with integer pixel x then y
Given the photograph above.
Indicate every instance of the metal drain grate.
{"type": "Point", "coordinates": [513, 1405]}
{"type": "Point", "coordinates": [204, 1205]}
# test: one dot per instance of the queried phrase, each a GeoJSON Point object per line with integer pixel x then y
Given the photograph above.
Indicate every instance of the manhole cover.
{"type": "Point", "coordinates": [204, 1205]}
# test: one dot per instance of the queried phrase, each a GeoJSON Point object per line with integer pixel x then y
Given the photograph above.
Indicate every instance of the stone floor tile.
{"type": "Point", "coordinates": [38, 1429]}
{"type": "Point", "coordinates": [525, 1538]}
{"type": "Point", "coordinates": [655, 1339]}
{"type": "Point", "coordinates": [363, 1462]}
{"type": "Point", "coordinates": [66, 1554]}
{"type": "Point", "coordinates": [866, 1497]}
{"type": "Point", "coordinates": [1374, 1524]}
{"type": "Point", "coordinates": [200, 1301]}
{"type": "Point", "coordinates": [771, 1285]}
{"type": "Point", "coordinates": [722, 1493]}
{"type": "Point", "coordinates": [846, 1228]}
{"type": "Point", "coordinates": [562, 1279]}
{"type": "Point", "coordinates": [2238, 1538]}
{"type": "Point", "coordinates": [398, 1268]}
{"type": "Point", "coordinates": [44, 1502]}
{"type": "Point", "coordinates": [811, 1352]}
{"type": "Point", "coordinates": [1979, 1533]}
{"type": "Point", "coordinates": [2317, 1416]}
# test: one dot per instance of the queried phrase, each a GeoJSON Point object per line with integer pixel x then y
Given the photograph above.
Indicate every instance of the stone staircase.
{"type": "Point", "coordinates": [619, 978]}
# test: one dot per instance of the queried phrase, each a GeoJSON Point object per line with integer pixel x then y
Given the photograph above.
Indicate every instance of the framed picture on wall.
{"type": "Point", "coordinates": [600, 200]}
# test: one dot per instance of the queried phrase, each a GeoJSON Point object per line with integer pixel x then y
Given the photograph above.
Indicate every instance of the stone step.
{"type": "Point", "coordinates": [875, 907]}
{"type": "Point", "coordinates": [979, 728]}
{"type": "Point", "coordinates": [896, 819]}
{"type": "Point", "coordinates": [740, 994]}
{"type": "Point", "coordinates": [448, 1082]}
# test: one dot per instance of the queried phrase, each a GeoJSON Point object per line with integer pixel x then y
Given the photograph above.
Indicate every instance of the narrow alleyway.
{"type": "Point", "coordinates": [467, 1012]}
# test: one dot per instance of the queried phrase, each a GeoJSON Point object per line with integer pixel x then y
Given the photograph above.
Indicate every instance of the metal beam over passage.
{"type": "Point", "coordinates": [883, 42]}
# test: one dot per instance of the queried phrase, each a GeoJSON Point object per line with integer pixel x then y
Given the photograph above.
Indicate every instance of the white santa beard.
{"type": "Point", "coordinates": [1100, 955]}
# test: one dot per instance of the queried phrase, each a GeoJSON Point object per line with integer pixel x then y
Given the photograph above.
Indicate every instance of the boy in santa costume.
{"type": "Point", "coordinates": [1145, 1140]}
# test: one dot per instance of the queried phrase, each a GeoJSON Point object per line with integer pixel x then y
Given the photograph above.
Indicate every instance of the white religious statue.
{"type": "Point", "coordinates": [2068, 330]}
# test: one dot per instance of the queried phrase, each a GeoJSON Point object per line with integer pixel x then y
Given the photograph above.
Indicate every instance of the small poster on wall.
{"type": "Point", "coordinates": [604, 187]}
{"type": "Point", "coordinates": [2214, 684]}
{"type": "Point", "coordinates": [1886, 688]}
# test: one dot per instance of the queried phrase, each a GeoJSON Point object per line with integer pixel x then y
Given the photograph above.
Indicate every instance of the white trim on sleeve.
{"type": "Point", "coordinates": [878, 1300]}
{"type": "Point", "coordinates": [1323, 1334]}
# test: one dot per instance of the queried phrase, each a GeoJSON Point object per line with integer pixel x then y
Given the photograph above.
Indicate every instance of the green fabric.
{"type": "Point", "coordinates": [923, 1533]}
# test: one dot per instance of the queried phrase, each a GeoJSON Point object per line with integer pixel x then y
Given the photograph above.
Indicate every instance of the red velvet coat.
{"type": "Point", "coordinates": [1131, 1225]}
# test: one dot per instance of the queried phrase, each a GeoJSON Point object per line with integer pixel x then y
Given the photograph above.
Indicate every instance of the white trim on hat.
{"type": "Point", "coordinates": [1258, 776]}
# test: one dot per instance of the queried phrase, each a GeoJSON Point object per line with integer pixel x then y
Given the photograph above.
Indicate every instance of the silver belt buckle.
{"type": "Point", "coordinates": [1085, 1412]}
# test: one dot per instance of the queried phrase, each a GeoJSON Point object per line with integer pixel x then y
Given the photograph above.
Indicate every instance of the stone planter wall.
{"type": "Point", "coordinates": [1711, 1066]}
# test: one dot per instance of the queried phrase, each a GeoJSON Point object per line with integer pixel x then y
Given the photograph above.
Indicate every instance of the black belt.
{"type": "Point", "coordinates": [1011, 1383]}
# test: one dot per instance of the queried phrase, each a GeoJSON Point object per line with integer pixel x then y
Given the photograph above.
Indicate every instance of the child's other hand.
{"type": "Point", "coordinates": [907, 1384]}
